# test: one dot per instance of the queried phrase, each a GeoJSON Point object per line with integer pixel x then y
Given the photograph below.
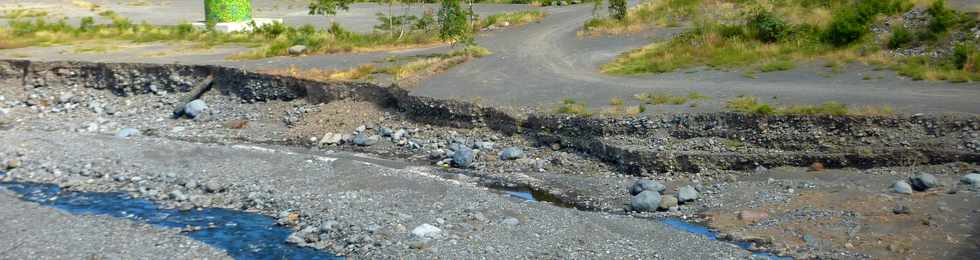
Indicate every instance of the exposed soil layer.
{"type": "Point", "coordinates": [587, 163]}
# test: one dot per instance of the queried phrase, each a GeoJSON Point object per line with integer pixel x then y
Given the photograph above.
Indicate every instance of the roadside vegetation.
{"type": "Point", "coordinates": [405, 72]}
{"type": "Point", "coordinates": [453, 24]}
{"type": "Point", "coordinates": [22, 13]}
{"type": "Point", "coordinates": [513, 18]}
{"type": "Point", "coordinates": [667, 99]}
{"type": "Point", "coordinates": [766, 36]}
{"type": "Point", "coordinates": [269, 40]}
{"type": "Point", "coordinates": [752, 105]}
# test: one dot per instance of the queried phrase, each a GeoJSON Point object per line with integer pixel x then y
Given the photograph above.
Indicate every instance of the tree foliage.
{"type": "Point", "coordinates": [328, 7]}
{"type": "Point", "coordinates": [454, 24]}
{"type": "Point", "coordinates": [617, 9]}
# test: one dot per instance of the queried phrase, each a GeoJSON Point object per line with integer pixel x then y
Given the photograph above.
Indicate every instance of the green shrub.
{"type": "Point", "coordinates": [962, 55]}
{"type": "Point", "coordinates": [900, 37]}
{"type": "Point", "coordinates": [942, 18]}
{"type": "Point", "coordinates": [87, 24]}
{"type": "Point", "coordinates": [618, 9]}
{"type": "Point", "coordinates": [849, 23]}
{"type": "Point", "coordinates": [426, 22]}
{"type": "Point", "coordinates": [767, 27]}
{"type": "Point", "coordinates": [453, 21]}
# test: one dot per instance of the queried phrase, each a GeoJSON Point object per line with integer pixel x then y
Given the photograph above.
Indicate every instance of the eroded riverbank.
{"type": "Point", "coordinates": [321, 155]}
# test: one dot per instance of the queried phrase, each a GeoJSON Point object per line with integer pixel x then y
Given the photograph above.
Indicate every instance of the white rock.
{"type": "Point", "coordinates": [426, 231]}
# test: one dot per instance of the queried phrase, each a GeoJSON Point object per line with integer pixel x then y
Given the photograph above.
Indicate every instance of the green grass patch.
{"type": "Point", "coordinates": [22, 13]}
{"type": "Point", "coordinates": [269, 40]}
{"type": "Point", "coordinates": [513, 18]}
{"type": "Point", "coordinates": [752, 105]}
{"type": "Point", "coordinates": [665, 13]}
{"type": "Point", "coordinates": [573, 107]}
{"type": "Point", "coordinates": [775, 37]}
{"type": "Point", "coordinates": [667, 99]}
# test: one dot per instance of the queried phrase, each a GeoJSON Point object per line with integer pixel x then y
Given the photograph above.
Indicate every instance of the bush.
{"type": "Point", "coordinates": [942, 18]}
{"type": "Point", "coordinates": [425, 22]}
{"type": "Point", "coordinates": [453, 23]}
{"type": "Point", "coordinates": [900, 36]}
{"type": "Point", "coordinates": [845, 28]}
{"type": "Point", "coordinates": [966, 57]}
{"type": "Point", "coordinates": [767, 27]}
{"type": "Point", "coordinates": [87, 24]}
{"type": "Point", "coordinates": [617, 9]}
{"type": "Point", "coordinates": [850, 23]}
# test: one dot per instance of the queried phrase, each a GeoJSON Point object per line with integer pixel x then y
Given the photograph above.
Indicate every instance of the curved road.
{"type": "Point", "coordinates": [543, 63]}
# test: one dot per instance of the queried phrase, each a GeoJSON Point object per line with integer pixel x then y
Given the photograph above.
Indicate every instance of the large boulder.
{"type": "Point", "coordinates": [972, 179]}
{"type": "Point", "coordinates": [195, 108]}
{"type": "Point", "coordinates": [643, 185]}
{"type": "Point", "coordinates": [365, 140]}
{"type": "Point", "coordinates": [127, 133]}
{"type": "Point", "coordinates": [463, 157]}
{"type": "Point", "coordinates": [667, 202]}
{"type": "Point", "coordinates": [297, 50]}
{"type": "Point", "coordinates": [687, 193]}
{"type": "Point", "coordinates": [511, 153]}
{"type": "Point", "coordinates": [426, 231]}
{"type": "Point", "coordinates": [646, 201]}
{"type": "Point", "coordinates": [902, 187]}
{"type": "Point", "coordinates": [923, 182]}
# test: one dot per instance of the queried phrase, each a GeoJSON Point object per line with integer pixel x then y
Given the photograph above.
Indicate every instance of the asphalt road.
{"type": "Point", "coordinates": [543, 63]}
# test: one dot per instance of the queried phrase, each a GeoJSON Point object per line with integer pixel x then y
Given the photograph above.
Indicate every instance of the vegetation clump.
{"type": "Point", "coordinates": [764, 36]}
{"type": "Point", "coordinates": [752, 105]}
{"type": "Point", "coordinates": [573, 107]}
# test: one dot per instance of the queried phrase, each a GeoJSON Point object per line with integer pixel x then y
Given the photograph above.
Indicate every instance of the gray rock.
{"type": "Point", "coordinates": [971, 179]}
{"type": "Point", "coordinates": [214, 187]}
{"type": "Point", "coordinates": [386, 132]}
{"type": "Point", "coordinates": [195, 108]}
{"type": "Point", "coordinates": [642, 185]}
{"type": "Point", "coordinates": [646, 201]}
{"type": "Point", "coordinates": [511, 153]}
{"type": "Point", "coordinates": [668, 201]}
{"type": "Point", "coordinates": [331, 138]}
{"type": "Point", "coordinates": [127, 133]}
{"type": "Point", "coordinates": [329, 226]}
{"type": "Point", "coordinates": [426, 231]}
{"type": "Point", "coordinates": [66, 98]}
{"type": "Point", "coordinates": [761, 169]}
{"type": "Point", "coordinates": [365, 140]}
{"type": "Point", "coordinates": [902, 187]}
{"type": "Point", "coordinates": [510, 221]}
{"type": "Point", "coordinates": [483, 145]}
{"type": "Point", "coordinates": [687, 193]}
{"type": "Point", "coordinates": [109, 110]}
{"type": "Point", "coordinates": [923, 182]}
{"type": "Point", "coordinates": [399, 134]}
{"type": "Point", "coordinates": [297, 49]}
{"type": "Point", "coordinates": [178, 195]}
{"type": "Point", "coordinates": [296, 238]}
{"type": "Point", "coordinates": [463, 157]}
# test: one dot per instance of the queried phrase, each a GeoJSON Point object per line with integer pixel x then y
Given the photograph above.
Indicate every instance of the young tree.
{"type": "Point", "coordinates": [328, 7]}
{"type": "Point", "coordinates": [617, 8]}
{"type": "Point", "coordinates": [453, 23]}
{"type": "Point", "coordinates": [596, 4]}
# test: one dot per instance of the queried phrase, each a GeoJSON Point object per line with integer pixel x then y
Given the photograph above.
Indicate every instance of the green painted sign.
{"type": "Point", "coordinates": [223, 11]}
